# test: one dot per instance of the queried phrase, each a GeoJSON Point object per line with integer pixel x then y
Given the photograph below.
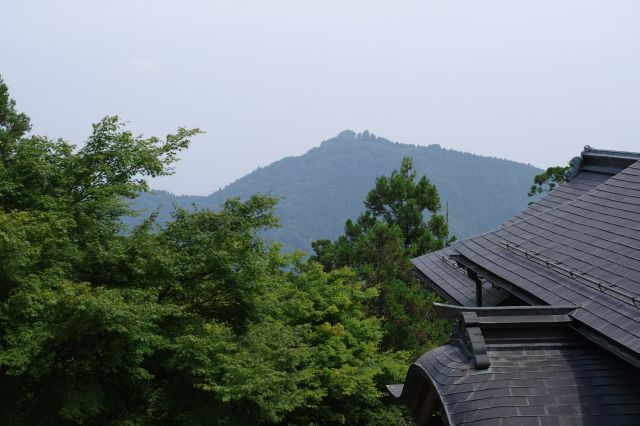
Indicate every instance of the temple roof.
{"type": "Point", "coordinates": [452, 283]}
{"type": "Point", "coordinates": [585, 252]}
{"type": "Point", "coordinates": [572, 355]}
{"type": "Point", "coordinates": [459, 289]}
{"type": "Point", "coordinates": [579, 245]}
{"type": "Point", "coordinates": [519, 366]}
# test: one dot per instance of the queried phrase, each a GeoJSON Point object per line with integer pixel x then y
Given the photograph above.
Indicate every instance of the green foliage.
{"type": "Point", "coordinates": [548, 180]}
{"type": "Point", "coordinates": [195, 321]}
{"type": "Point", "coordinates": [399, 200]}
{"type": "Point", "coordinates": [379, 246]}
{"type": "Point", "coordinates": [13, 125]}
{"type": "Point", "coordinates": [260, 337]}
{"type": "Point", "coordinates": [73, 353]}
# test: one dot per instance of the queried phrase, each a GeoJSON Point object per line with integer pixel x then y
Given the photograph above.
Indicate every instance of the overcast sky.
{"type": "Point", "coordinates": [532, 81]}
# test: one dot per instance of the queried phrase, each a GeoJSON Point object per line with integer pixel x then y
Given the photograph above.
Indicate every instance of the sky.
{"type": "Point", "coordinates": [527, 80]}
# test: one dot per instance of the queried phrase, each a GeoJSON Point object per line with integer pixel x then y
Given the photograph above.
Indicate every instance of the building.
{"type": "Point", "coordinates": [547, 310]}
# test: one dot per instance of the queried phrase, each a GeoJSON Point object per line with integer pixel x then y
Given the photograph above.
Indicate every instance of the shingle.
{"type": "Point", "coordinates": [607, 389]}
{"type": "Point", "coordinates": [454, 285]}
{"type": "Point", "coordinates": [544, 283]}
{"type": "Point", "coordinates": [571, 190]}
{"type": "Point", "coordinates": [591, 226]}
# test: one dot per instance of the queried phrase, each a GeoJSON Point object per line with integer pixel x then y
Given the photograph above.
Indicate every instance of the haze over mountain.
{"type": "Point", "coordinates": [324, 187]}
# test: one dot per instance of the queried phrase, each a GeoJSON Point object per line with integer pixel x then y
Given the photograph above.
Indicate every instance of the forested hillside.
{"type": "Point", "coordinates": [198, 320]}
{"type": "Point", "coordinates": [326, 186]}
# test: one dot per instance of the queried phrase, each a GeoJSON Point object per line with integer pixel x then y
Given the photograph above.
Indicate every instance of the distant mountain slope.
{"type": "Point", "coordinates": [324, 187]}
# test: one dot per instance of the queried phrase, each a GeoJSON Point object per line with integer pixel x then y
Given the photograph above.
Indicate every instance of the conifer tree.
{"type": "Point", "coordinates": [380, 244]}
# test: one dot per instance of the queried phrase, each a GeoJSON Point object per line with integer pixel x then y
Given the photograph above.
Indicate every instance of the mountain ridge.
{"type": "Point", "coordinates": [325, 186]}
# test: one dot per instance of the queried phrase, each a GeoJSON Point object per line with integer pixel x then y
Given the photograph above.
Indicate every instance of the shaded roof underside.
{"type": "Point", "coordinates": [452, 283]}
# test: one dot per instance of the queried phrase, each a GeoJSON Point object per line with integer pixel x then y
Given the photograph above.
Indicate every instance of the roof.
{"type": "Point", "coordinates": [519, 366]}
{"type": "Point", "coordinates": [451, 282]}
{"type": "Point", "coordinates": [593, 167]}
{"type": "Point", "coordinates": [596, 236]}
{"type": "Point", "coordinates": [459, 289]}
{"type": "Point", "coordinates": [579, 245]}
{"type": "Point", "coordinates": [580, 184]}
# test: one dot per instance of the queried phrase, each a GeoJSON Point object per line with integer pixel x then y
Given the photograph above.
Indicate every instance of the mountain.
{"type": "Point", "coordinates": [324, 187]}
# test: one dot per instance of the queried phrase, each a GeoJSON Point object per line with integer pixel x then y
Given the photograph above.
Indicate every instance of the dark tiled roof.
{"type": "Point", "coordinates": [590, 226]}
{"type": "Point", "coordinates": [602, 161]}
{"type": "Point", "coordinates": [582, 183]}
{"type": "Point", "coordinates": [598, 235]}
{"type": "Point", "coordinates": [593, 167]}
{"type": "Point", "coordinates": [459, 289]}
{"type": "Point", "coordinates": [537, 372]}
{"type": "Point", "coordinates": [452, 283]}
{"type": "Point", "coordinates": [580, 246]}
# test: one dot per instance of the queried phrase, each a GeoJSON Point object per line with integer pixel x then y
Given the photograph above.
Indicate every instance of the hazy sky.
{"type": "Point", "coordinates": [533, 81]}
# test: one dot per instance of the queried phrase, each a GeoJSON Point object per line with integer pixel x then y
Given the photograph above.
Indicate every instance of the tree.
{"type": "Point", "coordinates": [71, 343]}
{"type": "Point", "coordinates": [255, 336]}
{"type": "Point", "coordinates": [197, 321]}
{"type": "Point", "coordinates": [548, 180]}
{"type": "Point", "coordinates": [13, 125]}
{"type": "Point", "coordinates": [401, 201]}
{"type": "Point", "coordinates": [380, 245]}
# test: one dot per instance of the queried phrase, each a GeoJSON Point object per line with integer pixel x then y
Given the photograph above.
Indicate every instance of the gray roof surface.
{"type": "Point", "coordinates": [579, 185]}
{"type": "Point", "coordinates": [451, 282]}
{"type": "Point", "coordinates": [597, 234]}
{"type": "Point", "coordinates": [520, 366]}
{"type": "Point", "coordinates": [578, 246]}
{"type": "Point", "coordinates": [565, 384]}
{"type": "Point", "coordinates": [456, 287]}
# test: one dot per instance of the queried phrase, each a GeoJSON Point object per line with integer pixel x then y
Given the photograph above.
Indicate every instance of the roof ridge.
{"type": "Point", "coordinates": [590, 150]}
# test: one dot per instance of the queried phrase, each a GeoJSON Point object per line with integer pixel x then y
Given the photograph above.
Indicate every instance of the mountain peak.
{"type": "Point", "coordinates": [321, 189]}
{"type": "Point", "coordinates": [351, 135]}
{"type": "Point", "coordinates": [346, 134]}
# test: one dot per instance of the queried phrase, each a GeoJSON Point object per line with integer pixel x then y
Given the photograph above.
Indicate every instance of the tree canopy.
{"type": "Point", "coordinates": [548, 180]}
{"type": "Point", "coordinates": [196, 321]}
{"type": "Point", "coordinates": [379, 246]}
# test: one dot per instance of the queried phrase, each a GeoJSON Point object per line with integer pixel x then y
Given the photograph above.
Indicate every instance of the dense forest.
{"type": "Point", "coordinates": [197, 320]}
{"type": "Point", "coordinates": [481, 192]}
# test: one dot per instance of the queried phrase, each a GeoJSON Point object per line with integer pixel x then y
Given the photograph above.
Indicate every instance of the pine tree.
{"type": "Point", "coordinates": [380, 245]}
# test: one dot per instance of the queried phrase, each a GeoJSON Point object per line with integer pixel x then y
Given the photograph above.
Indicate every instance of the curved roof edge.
{"type": "Point", "coordinates": [519, 365]}
{"type": "Point", "coordinates": [420, 394]}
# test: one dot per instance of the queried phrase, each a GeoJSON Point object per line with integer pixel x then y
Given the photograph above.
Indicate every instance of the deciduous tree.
{"type": "Point", "coordinates": [197, 321]}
